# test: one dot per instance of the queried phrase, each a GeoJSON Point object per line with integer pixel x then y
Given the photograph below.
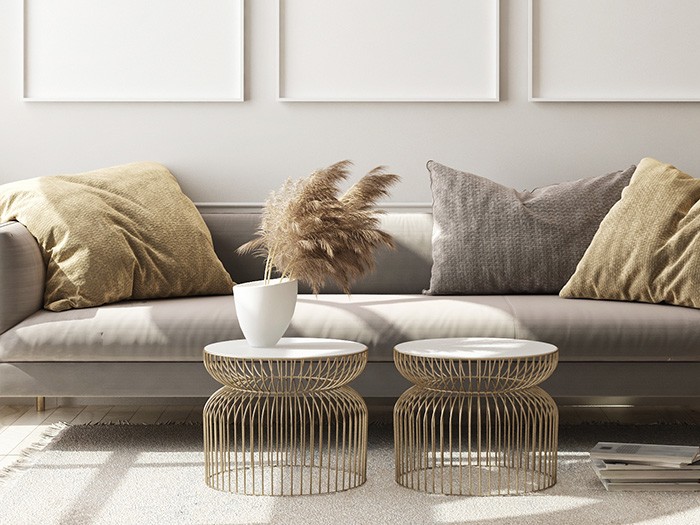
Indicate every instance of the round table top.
{"type": "Point", "coordinates": [287, 348]}
{"type": "Point", "coordinates": [475, 348]}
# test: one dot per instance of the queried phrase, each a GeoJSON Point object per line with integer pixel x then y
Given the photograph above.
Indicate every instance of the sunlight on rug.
{"type": "Point", "coordinates": [155, 474]}
{"type": "Point", "coordinates": [25, 457]}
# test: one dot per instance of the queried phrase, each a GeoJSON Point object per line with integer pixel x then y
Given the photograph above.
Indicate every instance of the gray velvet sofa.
{"type": "Point", "coordinates": [609, 351]}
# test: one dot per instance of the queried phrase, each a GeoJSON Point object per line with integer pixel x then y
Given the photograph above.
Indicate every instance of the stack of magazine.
{"type": "Point", "coordinates": [638, 467]}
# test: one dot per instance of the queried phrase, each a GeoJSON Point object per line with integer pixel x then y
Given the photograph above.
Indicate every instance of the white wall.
{"type": "Point", "coordinates": [238, 152]}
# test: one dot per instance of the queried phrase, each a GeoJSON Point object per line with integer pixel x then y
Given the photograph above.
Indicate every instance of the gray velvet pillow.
{"type": "Point", "coordinates": [489, 239]}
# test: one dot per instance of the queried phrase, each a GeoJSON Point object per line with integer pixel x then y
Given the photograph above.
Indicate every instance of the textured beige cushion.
{"type": "Point", "coordinates": [489, 238]}
{"type": "Point", "coordinates": [648, 246]}
{"type": "Point", "coordinates": [126, 232]}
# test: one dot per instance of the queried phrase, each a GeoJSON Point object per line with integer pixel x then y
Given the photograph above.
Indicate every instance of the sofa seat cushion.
{"type": "Point", "coordinates": [594, 330]}
{"type": "Point", "coordinates": [178, 329]}
{"type": "Point", "coordinates": [383, 321]}
{"type": "Point", "coordinates": [151, 330]}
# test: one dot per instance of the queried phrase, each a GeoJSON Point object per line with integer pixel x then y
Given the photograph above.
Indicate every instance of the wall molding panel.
{"type": "Point", "coordinates": [614, 51]}
{"type": "Point", "coordinates": [388, 50]}
{"type": "Point", "coordinates": [133, 50]}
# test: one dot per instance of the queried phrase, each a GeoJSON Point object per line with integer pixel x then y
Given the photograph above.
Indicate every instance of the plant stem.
{"type": "Point", "coordinates": [268, 266]}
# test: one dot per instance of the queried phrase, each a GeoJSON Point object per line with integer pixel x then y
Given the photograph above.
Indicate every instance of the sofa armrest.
{"type": "Point", "coordinates": [22, 275]}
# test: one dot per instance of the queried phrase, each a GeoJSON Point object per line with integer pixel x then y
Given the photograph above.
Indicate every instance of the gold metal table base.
{"type": "Point", "coordinates": [475, 444]}
{"type": "Point", "coordinates": [475, 423]}
{"type": "Point", "coordinates": [284, 425]}
{"type": "Point", "coordinates": [281, 445]}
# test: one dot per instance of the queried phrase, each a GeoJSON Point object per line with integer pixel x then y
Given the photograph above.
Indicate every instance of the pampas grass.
{"type": "Point", "coordinates": [311, 234]}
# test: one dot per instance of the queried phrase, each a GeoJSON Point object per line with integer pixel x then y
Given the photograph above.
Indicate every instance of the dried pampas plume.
{"type": "Point", "coordinates": [309, 233]}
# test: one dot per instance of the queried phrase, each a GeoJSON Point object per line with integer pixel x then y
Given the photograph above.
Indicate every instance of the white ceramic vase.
{"type": "Point", "coordinates": [264, 311]}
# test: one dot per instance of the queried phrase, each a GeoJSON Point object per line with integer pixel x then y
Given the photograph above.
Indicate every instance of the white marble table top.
{"type": "Point", "coordinates": [287, 348]}
{"type": "Point", "coordinates": [473, 348]}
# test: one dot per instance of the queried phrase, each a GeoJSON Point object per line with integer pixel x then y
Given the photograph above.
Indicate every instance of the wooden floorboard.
{"type": "Point", "coordinates": [10, 414]}
{"type": "Point", "coordinates": [60, 415]}
{"type": "Point", "coordinates": [195, 415]}
{"type": "Point", "coordinates": [175, 414]}
{"type": "Point", "coordinates": [20, 429]}
{"type": "Point", "coordinates": [578, 415]}
{"type": "Point", "coordinates": [147, 415]}
{"type": "Point", "coordinates": [647, 416]}
{"type": "Point", "coordinates": [91, 414]}
{"type": "Point", "coordinates": [119, 414]}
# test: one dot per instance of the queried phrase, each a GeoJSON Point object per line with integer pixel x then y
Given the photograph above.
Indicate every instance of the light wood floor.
{"type": "Point", "coordinates": [22, 425]}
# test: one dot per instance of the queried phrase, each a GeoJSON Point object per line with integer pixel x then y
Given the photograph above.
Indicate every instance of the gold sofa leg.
{"type": "Point", "coordinates": [40, 403]}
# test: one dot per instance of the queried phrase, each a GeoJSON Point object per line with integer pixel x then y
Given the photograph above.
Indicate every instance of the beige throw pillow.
{"type": "Point", "coordinates": [648, 246]}
{"type": "Point", "coordinates": [126, 232]}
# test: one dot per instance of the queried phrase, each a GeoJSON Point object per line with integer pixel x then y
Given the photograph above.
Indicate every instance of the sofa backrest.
{"type": "Point", "coordinates": [403, 270]}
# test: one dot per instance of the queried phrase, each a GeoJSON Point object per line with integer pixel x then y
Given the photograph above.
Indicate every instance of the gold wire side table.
{"type": "Point", "coordinates": [475, 423]}
{"type": "Point", "coordinates": [285, 423]}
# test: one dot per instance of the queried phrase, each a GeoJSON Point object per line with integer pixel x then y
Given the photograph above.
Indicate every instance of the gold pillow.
{"type": "Point", "coordinates": [126, 232]}
{"type": "Point", "coordinates": [647, 248]}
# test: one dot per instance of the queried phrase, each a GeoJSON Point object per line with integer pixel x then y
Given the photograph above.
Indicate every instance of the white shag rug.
{"type": "Point", "coordinates": [149, 474]}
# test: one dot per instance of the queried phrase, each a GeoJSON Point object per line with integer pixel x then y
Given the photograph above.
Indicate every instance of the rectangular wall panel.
{"type": "Point", "coordinates": [133, 50]}
{"type": "Point", "coordinates": [388, 50]}
{"type": "Point", "coordinates": [614, 50]}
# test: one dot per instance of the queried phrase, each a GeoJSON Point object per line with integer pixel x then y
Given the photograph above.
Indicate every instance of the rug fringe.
{"type": "Point", "coordinates": [28, 454]}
